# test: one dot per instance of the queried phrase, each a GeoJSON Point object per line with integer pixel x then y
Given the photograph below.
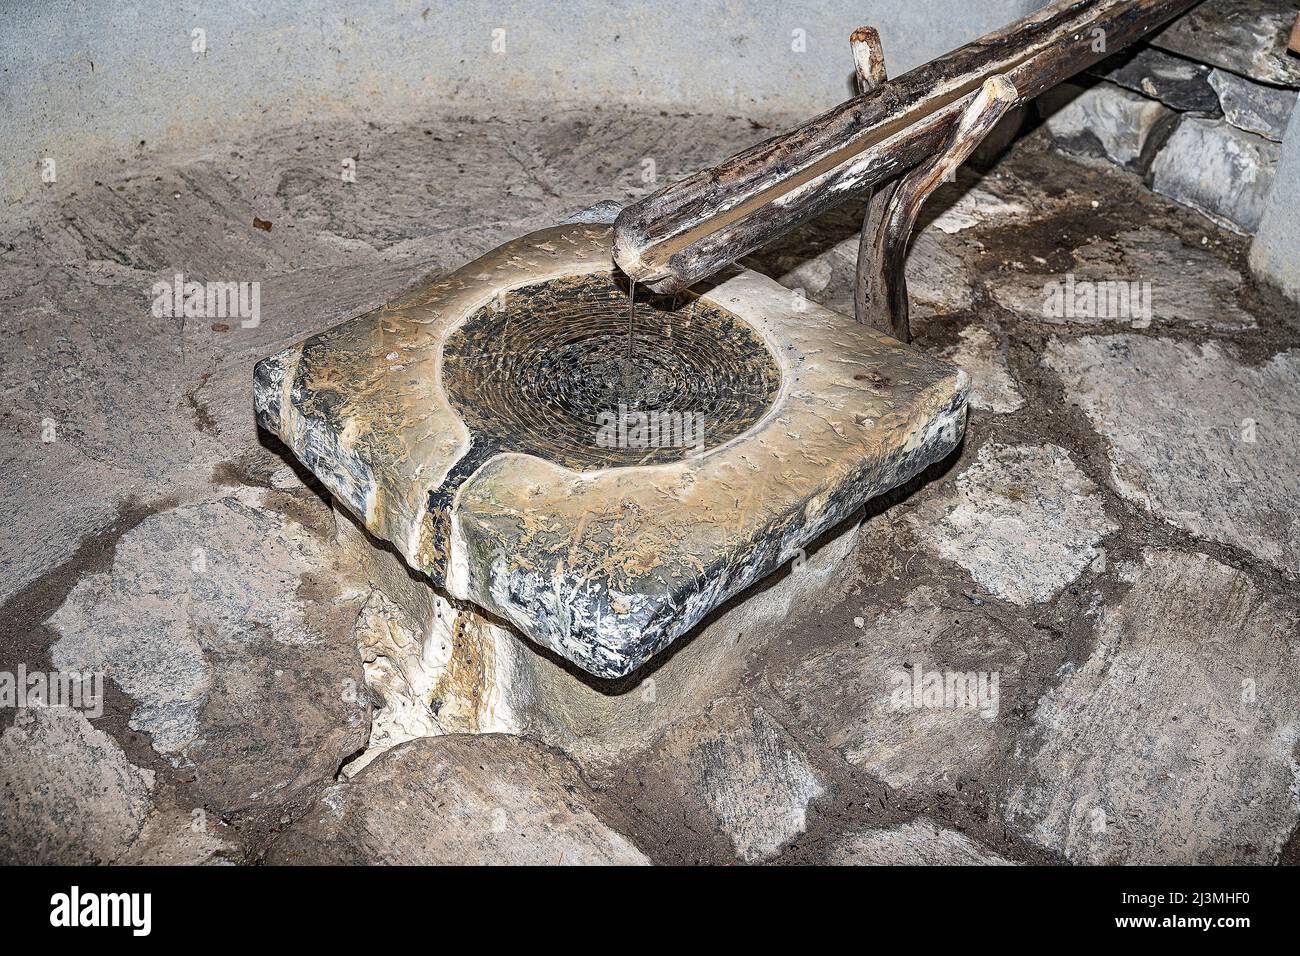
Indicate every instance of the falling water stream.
{"type": "Point", "coordinates": [627, 357]}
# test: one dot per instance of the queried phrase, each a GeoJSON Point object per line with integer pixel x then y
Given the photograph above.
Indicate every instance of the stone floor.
{"type": "Point", "coordinates": [1112, 558]}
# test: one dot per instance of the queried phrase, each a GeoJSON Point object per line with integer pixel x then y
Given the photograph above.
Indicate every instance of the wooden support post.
{"type": "Point", "coordinates": [869, 62]}
{"type": "Point", "coordinates": [881, 265]}
{"type": "Point", "coordinates": [868, 58]}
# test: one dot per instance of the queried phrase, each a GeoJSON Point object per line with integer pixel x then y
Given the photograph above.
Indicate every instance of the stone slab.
{"type": "Point", "coordinates": [1245, 36]}
{"type": "Point", "coordinates": [1141, 277]}
{"type": "Point", "coordinates": [976, 206]}
{"type": "Point", "coordinates": [1174, 742]}
{"type": "Point", "coordinates": [485, 799]}
{"type": "Point", "coordinates": [235, 674]}
{"type": "Point", "coordinates": [982, 354]}
{"type": "Point", "coordinates": [1223, 172]}
{"type": "Point", "coordinates": [750, 773]}
{"type": "Point", "coordinates": [1196, 435]}
{"type": "Point", "coordinates": [1254, 107]}
{"type": "Point", "coordinates": [1275, 251]}
{"type": "Point", "coordinates": [865, 698]}
{"type": "Point", "coordinates": [602, 726]}
{"type": "Point", "coordinates": [604, 567]}
{"type": "Point", "coordinates": [1179, 83]}
{"type": "Point", "coordinates": [915, 843]}
{"type": "Point", "coordinates": [937, 279]}
{"type": "Point", "coordinates": [1023, 520]}
{"type": "Point", "coordinates": [1104, 120]}
{"type": "Point", "coordinates": [68, 794]}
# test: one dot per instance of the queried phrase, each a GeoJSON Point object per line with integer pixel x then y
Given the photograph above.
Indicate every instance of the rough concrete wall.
{"type": "Point", "coordinates": [1275, 253]}
{"type": "Point", "coordinates": [87, 81]}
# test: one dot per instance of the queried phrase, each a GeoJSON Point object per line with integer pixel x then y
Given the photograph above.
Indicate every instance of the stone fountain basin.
{"type": "Point", "coordinates": [606, 558]}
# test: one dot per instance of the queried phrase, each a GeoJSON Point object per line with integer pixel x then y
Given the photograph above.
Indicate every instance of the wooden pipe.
{"type": "Point", "coordinates": [694, 227]}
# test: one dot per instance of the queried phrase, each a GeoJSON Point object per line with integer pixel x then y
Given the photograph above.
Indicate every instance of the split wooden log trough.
{"type": "Point", "coordinates": [932, 116]}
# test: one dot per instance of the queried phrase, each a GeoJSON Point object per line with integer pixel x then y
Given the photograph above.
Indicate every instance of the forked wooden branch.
{"type": "Point", "coordinates": [882, 292]}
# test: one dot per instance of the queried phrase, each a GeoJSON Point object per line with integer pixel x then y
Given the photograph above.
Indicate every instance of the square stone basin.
{"type": "Point", "coordinates": [603, 480]}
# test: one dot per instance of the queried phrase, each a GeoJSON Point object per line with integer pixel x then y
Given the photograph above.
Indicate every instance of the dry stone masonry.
{"type": "Point", "coordinates": [1199, 112]}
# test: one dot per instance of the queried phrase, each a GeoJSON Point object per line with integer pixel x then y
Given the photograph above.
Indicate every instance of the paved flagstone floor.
{"type": "Point", "coordinates": [1112, 558]}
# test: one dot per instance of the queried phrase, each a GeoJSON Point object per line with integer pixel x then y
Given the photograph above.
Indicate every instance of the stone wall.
{"type": "Point", "coordinates": [1200, 112]}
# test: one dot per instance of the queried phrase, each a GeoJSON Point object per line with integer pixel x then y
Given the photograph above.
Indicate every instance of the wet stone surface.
{"type": "Point", "coordinates": [1116, 551]}
{"type": "Point", "coordinates": [556, 368]}
{"type": "Point", "coordinates": [443, 439]}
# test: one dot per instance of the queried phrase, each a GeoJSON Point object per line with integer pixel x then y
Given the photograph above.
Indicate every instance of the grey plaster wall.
{"type": "Point", "coordinates": [90, 82]}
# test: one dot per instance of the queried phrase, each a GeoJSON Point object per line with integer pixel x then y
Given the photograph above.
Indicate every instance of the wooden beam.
{"type": "Point", "coordinates": [694, 227]}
